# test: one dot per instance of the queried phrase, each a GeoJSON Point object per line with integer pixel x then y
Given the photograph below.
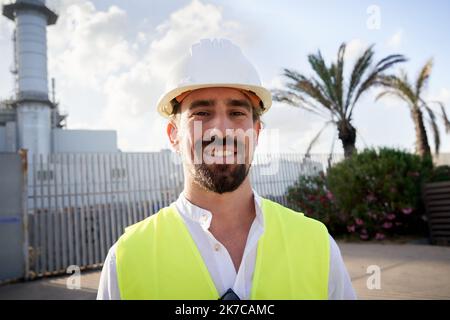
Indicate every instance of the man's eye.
{"type": "Point", "coordinates": [202, 113]}
{"type": "Point", "coordinates": [238, 113]}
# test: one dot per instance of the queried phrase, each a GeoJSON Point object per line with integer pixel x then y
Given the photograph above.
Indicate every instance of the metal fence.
{"type": "Point", "coordinates": [13, 221]}
{"type": "Point", "coordinates": [79, 204]}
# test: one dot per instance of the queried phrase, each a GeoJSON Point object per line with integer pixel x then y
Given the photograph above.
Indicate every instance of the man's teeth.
{"type": "Point", "coordinates": [221, 153]}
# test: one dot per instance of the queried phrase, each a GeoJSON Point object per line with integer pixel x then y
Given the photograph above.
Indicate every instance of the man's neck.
{"type": "Point", "coordinates": [230, 210]}
{"type": "Point", "coordinates": [232, 215]}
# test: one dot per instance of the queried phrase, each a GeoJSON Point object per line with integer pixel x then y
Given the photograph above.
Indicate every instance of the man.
{"type": "Point", "coordinates": [220, 239]}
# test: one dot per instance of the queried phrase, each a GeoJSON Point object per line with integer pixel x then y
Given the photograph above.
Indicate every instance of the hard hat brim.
{"type": "Point", "coordinates": [165, 108]}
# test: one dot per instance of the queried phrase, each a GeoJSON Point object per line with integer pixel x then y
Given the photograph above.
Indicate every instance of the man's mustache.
{"type": "Point", "coordinates": [229, 143]}
{"type": "Point", "coordinates": [203, 149]}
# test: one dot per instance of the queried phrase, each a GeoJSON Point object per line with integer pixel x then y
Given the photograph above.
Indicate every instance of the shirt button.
{"type": "Point", "coordinates": [217, 247]}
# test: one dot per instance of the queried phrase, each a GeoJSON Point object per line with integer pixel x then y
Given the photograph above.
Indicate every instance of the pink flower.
{"type": "Point", "coordinates": [379, 236]}
{"type": "Point", "coordinates": [330, 196]}
{"type": "Point", "coordinates": [370, 197]}
{"type": "Point", "coordinates": [359, 222]}
{"type": "Point", "coordinates": [413, 174]}
{"type": "Point", "coordinates": [407, 210]}
{"type": "Point", "coordinates": [387, 225]}
{"type": "Point", "coordinates": [391, 216]}
{"type": "Point", "coordinates": [364, 236]}
{"type": "Point", "coordinates": [351, 228]}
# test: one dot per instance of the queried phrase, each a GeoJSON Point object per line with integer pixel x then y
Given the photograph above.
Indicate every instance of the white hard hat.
{"type": "Point", "coordinates": [213, 63]}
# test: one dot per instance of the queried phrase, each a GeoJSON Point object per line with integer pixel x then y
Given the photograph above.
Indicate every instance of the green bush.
{"type": "Point", "coordinates": [380, 192]}
{"type": "Point", "coordinates": [311, 196]}
{"type": "Point", "coordinates": [374, 194]}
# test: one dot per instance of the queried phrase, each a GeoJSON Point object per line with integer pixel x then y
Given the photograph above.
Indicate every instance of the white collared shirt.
{"type": "Point", "coordinates": [218, 260]}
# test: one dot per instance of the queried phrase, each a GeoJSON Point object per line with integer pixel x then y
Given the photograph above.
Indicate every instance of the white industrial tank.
{"type": "Point", "coordinates": [31, 53]}
{"type": "Point", "coordinates": [31, 18]}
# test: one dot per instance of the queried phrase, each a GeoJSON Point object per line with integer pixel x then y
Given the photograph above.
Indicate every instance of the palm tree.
{"type": "Point", "coordinates": [412, 93]}
{"type": "Point", "coordinates": [328, 95]}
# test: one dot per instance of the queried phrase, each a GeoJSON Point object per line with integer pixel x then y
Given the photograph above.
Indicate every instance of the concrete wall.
{"type": "Point", "coordinates": [12, 237]}
{"type": "Point", "coordinates": [84, 140]}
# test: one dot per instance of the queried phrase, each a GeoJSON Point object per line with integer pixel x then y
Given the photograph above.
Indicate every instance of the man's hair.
{"type": "Point", "coordinates": [176, 109]}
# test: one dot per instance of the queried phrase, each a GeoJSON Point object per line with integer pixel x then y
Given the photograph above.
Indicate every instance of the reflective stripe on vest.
{"type": "Point", "coordinates": [158, 259]}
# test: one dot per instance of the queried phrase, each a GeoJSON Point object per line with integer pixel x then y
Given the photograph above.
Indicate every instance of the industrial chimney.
{"type": "Point", "coordinates": [31, 18]}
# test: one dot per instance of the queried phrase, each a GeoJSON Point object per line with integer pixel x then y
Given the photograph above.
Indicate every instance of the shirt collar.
{"type": "Point", "coordinates": [204, 217]}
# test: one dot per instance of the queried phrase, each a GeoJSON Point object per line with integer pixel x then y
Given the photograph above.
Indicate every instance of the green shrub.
{"type": "Point", "coordinates": [374, 194]}
{"type": "Point", "coordinates": [380, 192]}
{"type": "Point", "coordinates": [311, 196]}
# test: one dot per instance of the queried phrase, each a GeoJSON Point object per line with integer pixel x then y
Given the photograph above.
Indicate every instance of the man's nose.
{"type": "Point", "coordinates": [221, 123]}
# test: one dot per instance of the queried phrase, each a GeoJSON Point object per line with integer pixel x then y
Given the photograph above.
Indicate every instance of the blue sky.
{"type": "Point", "coordinates": [110, 59]}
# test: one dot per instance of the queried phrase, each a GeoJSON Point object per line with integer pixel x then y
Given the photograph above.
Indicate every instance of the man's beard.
{"type": "Point", "coordinates": [220, 178]}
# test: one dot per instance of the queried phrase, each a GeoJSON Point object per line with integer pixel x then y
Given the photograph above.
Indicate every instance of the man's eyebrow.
{"type": "Point", "coordinates": [239, 103]}
{"type": "Point", "coordinates": [229, 102]}
{"type": "Point", "coordinates": [201, 103]}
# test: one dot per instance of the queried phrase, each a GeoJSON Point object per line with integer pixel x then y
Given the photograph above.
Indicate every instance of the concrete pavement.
{"type": "Point", "coordinates": [407, 271]}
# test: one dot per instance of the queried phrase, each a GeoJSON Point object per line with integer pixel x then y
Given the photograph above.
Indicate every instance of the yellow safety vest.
{"type": "Point", "coordinates": [158, 259]}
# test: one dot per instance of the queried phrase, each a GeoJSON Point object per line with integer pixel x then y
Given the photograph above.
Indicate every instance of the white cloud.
{"type": "Point", "coordinates": [186, 26]}
{"type": "Point", "coordinates": [443, 96]}
{"type": "Point", "coordinates": [395, 40]}
{"type": "Point", "coordinates": [277, 82]}
{"type": "Point", "coordinates": [354, 48]}
{"type": "Point", "coordinates": [87, 45]}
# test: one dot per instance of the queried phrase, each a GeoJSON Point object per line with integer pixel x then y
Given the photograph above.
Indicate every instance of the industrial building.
{"type": "Point", "coordinates": [30, 119]}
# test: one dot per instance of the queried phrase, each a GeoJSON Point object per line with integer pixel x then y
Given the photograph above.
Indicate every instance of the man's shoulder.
{"type": "Point", "coordinates": [143, 227]}
{"type": "Point", "coordinates": [275, 207]}
{"type": "Point", "coordinates": [290, 215]}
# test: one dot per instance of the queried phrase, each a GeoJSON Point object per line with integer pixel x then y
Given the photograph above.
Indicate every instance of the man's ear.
{"type": "Point", "coordinates": [257, 127]}
{"type": "Point", "coordinates": [172, 134]}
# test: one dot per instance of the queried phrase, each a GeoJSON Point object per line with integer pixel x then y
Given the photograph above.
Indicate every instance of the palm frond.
{"type": "Point", "coordinates": [444, 115]}
{"type": "Point", "coordinates": [296, 100]}
{"type": "Point", "coordinates": [361, 65]}
{"type": "Point", "coordinates": [433, 124]}
{"type": "Point", "coordinates": [400, 85]}
{"type": "Point", "coordinates": [390, 93]}
{"type": "Point", "coordinates": [445, 118]}
{"type": "Point", "coordinates": [424, 76]}
{"type": "Point", "coordinates": [338, 76]}
{"type": "Point", "coordinates": [372, 78]}
{"type": "Point", "coordinates": [317, 63]}
{"type": "Point", "coordinates": [308, 87]}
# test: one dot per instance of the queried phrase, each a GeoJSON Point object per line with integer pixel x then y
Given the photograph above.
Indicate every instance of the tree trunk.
{"type": "Point", "coordinates": [347, 134]}
{"type": "Point", "coordinates": [422, 146]}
